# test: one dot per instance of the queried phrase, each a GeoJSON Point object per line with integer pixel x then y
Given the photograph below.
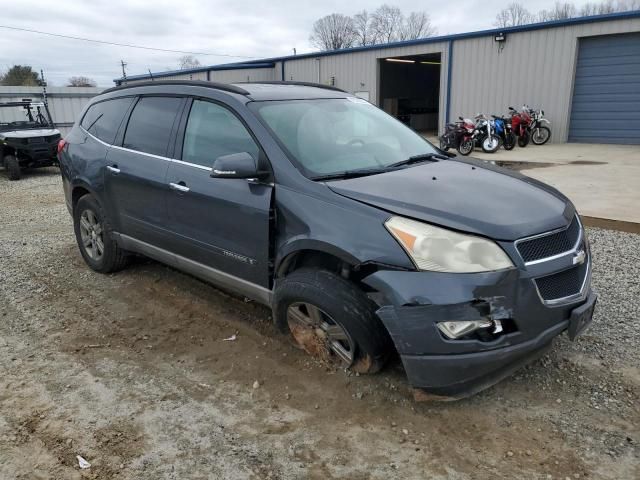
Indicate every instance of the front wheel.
{"type": "Point", "coordinates": [12, 166]}
{"type": "Point", "coordinates": [490, 144]}
{"type": "Point", "coordinates": [509, 141]}
{"type": "Point", "coordinates": [466, 146]}
{"type": "Point", "coordinates": [523, 140]}
{"type": "Point", "coordinates": [540, 135]}
{"type": "Point", "coordinates": [332, 319]}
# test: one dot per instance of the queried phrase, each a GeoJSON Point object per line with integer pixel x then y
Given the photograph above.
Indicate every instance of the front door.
{"type": "Point", "coordinates": [222, 224]}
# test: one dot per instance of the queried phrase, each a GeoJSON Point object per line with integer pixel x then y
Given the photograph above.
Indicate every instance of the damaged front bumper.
{"type": "Point", "coordinates": [457, 368]}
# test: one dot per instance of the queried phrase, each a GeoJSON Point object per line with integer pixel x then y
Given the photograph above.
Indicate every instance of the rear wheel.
{"type": "Point", "coordinates": [331, 319]}
{"type": "Point", "coordinates": [12, 166]}
{"type": "Point", "coordinates": [444, 146]}
{"type": "Point", "coordinates": [540, 135]}
{"type": "Point", "coordinates": [95, 239]}
{"type": "Point", "coordinates": [465, 147]}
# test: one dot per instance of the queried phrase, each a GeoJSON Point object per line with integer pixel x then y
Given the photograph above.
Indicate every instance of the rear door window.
{"type": "Point", "coordinates": [213, 131]}
{"type": "Point", "coordinates": [103, 119]}
{"type": "Point", "coordinates": [150, 124]}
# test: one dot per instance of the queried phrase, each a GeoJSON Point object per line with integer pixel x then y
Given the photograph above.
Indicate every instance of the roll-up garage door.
{"type": "Point", "coordinates": [606, 93]}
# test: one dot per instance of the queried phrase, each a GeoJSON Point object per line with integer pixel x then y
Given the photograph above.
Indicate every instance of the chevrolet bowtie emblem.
{"type": "Point", "coordinates": [579, 257]}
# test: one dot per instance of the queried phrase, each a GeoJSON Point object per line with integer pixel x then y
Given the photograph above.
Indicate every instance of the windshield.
{"type": "Point", "coordinates": [333, 136]}
{"type": "Point", "coordinates": [16, 116]}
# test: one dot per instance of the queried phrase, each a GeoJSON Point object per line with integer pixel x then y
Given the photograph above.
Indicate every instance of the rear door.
{"type": "Point", "coordinates": [136, 168]}
{"type": "Point", "coordinates": [222, 224]}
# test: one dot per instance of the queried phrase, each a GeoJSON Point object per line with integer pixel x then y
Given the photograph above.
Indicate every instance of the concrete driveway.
{"type": "Point", "coordinates": [603, 181]}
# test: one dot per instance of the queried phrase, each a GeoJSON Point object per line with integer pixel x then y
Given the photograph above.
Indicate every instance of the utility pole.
{"type": "Point", "coordinates": [124, 72]}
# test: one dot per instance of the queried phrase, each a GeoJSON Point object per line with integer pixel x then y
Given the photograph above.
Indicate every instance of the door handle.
{"type": "Point", "coordinates": [113, 169]}
{"type": "Point", "coordinates": [180, 187]}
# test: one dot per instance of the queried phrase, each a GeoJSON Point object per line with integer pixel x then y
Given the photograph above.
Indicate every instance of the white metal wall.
{"type": "Point", "coordinates": [242, 75]}
{"type": "Point", "coordinates": [535, 67]}
{"type": "Point", "coordinates": [65, 103]}
{"type": "Point", "coordinates": [358, 71]}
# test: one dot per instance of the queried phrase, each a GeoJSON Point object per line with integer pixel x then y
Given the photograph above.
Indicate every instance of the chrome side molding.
{"type": "Point", "coordinates": [217, 277]}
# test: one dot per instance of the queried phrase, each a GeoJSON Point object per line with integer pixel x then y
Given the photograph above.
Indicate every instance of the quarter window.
{"type": "Point", "coordinates": [149, 128]}
{"type": "Point", "coordinates": [213, 131]}
{"type": "Point", "coordinates": [104, 118]}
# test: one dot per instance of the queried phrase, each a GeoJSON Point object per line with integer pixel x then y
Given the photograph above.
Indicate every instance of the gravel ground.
{"type": "Point", "coordinates": [130, 372]}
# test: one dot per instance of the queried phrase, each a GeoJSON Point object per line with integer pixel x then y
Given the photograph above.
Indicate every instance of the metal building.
{"type": "Point", "coordinates": [584, 72]}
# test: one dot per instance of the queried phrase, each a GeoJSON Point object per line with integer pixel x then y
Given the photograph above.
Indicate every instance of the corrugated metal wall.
{"type": "Point", "coordinates": [358, 71]}
{"type": "Point", "coordinates": [243, 75]}
{"type": "Point", "coordinates": [65, 103]}
{"type": "Point", "coordinates": [535, 67]}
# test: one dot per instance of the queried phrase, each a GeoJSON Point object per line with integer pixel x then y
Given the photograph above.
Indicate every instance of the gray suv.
{"type": "Point", "coordinates": [362, 237]}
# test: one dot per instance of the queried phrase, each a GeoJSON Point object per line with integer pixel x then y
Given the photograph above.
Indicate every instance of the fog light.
{"type": "Point", "coordinates": [453, 329]}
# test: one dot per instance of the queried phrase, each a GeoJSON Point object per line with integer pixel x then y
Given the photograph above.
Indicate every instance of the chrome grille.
{"type": "Point", "coordinates": [551, 244]}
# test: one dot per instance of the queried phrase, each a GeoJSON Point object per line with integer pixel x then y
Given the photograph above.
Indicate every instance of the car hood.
{"type": "Point", "coordinates": [28, 133]}
{"type": "Point", "coordinates": [469, 195]}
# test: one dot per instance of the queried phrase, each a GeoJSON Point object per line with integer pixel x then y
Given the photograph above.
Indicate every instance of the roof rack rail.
{"type": "Point", "coordinates": [302, 84]}
{"type": "Point", "coordinates": [227, 87]}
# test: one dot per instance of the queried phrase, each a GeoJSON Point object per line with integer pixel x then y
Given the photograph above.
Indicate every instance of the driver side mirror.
{"type": "Point", "coordinates": [236, 165]}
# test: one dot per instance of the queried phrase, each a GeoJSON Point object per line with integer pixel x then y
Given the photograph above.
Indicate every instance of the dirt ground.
{"type": "Point", "coordinates": [131, 372]}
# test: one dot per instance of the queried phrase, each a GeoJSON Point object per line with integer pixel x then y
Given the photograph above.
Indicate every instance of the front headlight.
{"type": "Point", "coordinates": [441, 250]}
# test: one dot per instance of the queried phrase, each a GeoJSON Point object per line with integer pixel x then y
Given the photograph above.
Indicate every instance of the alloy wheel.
{"type": "Point", "coordinates": [91, 234]}
{"type": "Point", "coordinates": [318, 334]}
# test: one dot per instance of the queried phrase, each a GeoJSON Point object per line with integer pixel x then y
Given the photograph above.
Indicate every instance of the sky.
{"type": "Point", "coordinates": [234, 30]}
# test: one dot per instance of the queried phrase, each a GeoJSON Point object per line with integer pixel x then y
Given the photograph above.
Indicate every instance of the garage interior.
{"type": "Point", "coordinates": [410, 90]}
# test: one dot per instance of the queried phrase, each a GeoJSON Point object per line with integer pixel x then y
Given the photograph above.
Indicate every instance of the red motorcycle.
{"type": "Point", "coordinates": [520, 122]}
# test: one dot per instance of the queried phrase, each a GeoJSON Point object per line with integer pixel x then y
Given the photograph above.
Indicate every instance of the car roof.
{"type": "Point", "coordinates": [256, 91]}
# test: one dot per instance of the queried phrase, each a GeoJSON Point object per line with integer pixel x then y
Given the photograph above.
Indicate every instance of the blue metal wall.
{"type": "Point", "coordinates": [606, 94]}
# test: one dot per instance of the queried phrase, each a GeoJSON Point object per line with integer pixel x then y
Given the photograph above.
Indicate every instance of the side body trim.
{"type": "Point", "coordinates": [218, 277]}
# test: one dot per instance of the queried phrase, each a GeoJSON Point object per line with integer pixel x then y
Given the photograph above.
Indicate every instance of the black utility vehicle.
{"type": "Point", "coordinates": [28, 143]}
{"type": "Point", "coordinates": [359, 234]}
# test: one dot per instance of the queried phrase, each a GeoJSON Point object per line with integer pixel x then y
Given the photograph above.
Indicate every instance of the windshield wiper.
{"type": "Point", "coordinates": [350, 174]}
{"type": "Point", "coordinates": [418, 158]}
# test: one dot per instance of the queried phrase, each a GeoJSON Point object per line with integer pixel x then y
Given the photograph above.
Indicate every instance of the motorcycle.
{"type": "Point", "coordinates": [453, 133]}
{"type": "Point", "coordinates": [504, 131]}
{"type": "Point", "coordinates": [485, 134]}
{"type": "Point", "coordinates": [519, 124]}
{"type": "Point", "coordinates": [467, 140]}
{"type": "Point", "coordinates": [540, 134]}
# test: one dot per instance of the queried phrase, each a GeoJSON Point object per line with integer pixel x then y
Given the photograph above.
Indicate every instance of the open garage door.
{"type": "Point", "coordinates": [410, 90]}
{"type": "Point", "coordinates": [606, 93]}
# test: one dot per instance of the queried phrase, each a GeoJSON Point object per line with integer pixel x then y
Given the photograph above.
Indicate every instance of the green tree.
{"type": "Point", "coordinates": [20, 75]}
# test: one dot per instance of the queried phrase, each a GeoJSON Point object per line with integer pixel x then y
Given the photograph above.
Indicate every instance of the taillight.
{"type": "Point", "coordinates": [61, 144]}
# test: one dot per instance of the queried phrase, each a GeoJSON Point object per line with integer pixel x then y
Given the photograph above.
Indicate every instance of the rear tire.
{"type": "Point", "coordinates": [12, 166]}
{"type": "Point", "coordinates": [95, 239]}
{"type": "Point", "coordinates": [465, 147]}
{"type": "Point", "coordinates": [540, 135]}
{"type": "Point", "coordinates": [320, 308]}
{"type": "Point", "coordinates": [444, 146]}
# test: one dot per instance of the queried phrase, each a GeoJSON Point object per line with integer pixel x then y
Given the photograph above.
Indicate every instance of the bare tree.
{"type": "Point", "coordinates": [561, 11]}
{"type": "Point", "coordinates": [188, 61]}
{"type": "Point", "coordinates": [513, 15]}
{"type": "Point", "coordinates": [363, 29]}
{"type": "Point", "coordinates": [416, 25]}
{"type": "Point", "coordinates": [333, 32]}
{"type": "Point", "coordinates": [81, 82]}
{"type": "Point", "coordinates": [387, 23]}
